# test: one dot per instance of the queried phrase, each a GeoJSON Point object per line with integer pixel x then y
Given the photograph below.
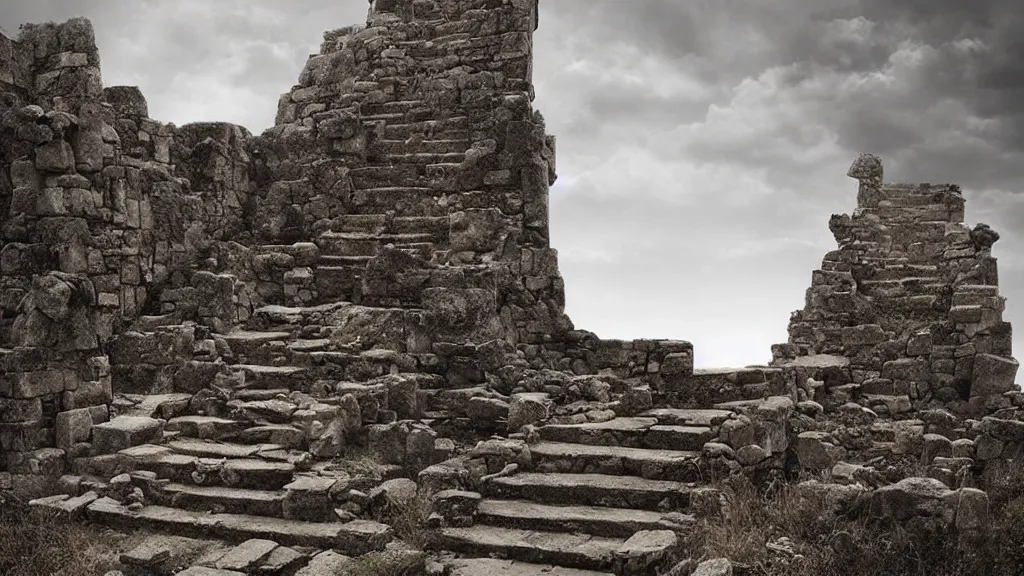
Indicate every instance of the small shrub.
{"type": "Point", "coordinates": [408, 518]}
{"type": "Point", "coordinates": [360, 461]}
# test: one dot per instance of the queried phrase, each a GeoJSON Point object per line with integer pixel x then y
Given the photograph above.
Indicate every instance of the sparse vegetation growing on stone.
{"type": "Point", "coordinates": [795, 531]}
{"type": "Point", "coordinates": [40, 543]}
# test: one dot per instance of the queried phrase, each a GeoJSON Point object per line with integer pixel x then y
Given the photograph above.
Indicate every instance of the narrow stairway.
{"type": "Point", "coordinates": [597, 490]}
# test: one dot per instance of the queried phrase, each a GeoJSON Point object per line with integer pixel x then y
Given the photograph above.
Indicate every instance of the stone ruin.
{"type": "Point", "coordinates": [200, 328]}
{"type": "Point", "coordinates": [908, 307]}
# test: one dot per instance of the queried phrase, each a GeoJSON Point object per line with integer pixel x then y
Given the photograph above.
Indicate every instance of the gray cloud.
{"type": "Point", "coordinates": [702, 145]}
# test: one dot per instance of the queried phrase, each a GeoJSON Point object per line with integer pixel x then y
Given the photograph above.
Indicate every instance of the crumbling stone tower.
{"type": "Point", "coordinates": [909, 304]}
{"type": "Point", "coordinates": [393, 223]}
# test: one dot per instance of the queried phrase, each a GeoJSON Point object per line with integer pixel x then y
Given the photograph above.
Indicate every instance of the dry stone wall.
{"type": "Point", "coordinates": [94, 217]}
{"type": "Point", "coordinates": [907, 307]}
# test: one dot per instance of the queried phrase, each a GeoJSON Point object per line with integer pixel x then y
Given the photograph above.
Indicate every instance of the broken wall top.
{"type": "Point", "coordinates": [910, 299]}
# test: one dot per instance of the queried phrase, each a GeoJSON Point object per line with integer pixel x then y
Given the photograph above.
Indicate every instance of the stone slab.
{"type": "Point", "coordinates": [204, 571]}
{"type": "Point", "coordinates": [124, 432]}
{"type": "Point", "coordinates": [355, 538]}
{"type": "Point", "coordinates": [593, 490]}
{"type": "Point", "coordinates": [647, 463]}
{"type": "Point", "coordinates": [213, 449]}
{"type": "Point", "coordinates": [497, 567]}
{"type": "Point", "coordinates": [228, 500]}
{"type": "Point", "coordinates": [689, 417]}
{"type": "Point", "coordinates": [596, 520]}
{"type": "Point", "coordinates": [246, 555]}
{"type": "Point", "coordinates": [568, 550]}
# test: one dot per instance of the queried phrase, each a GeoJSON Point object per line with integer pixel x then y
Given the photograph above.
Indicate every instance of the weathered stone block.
{"type": "Point", "coordinates": [124, 432]}
{"type": "Point", "coordinates": [308, 498]}
{"type": "Point", "coordinates": [72, 427]}
{"type": "Point", "coordinates": [919, 344]}
{"type": "Point", "coordinates": [910, 369]}
{"type": "Point", "coordinates": [39, 383]}
{"type": "Point", "coordinates": [14, 410]}
{"type": "Point", "coordinates": [816, 451]}
{"type": "Point", "coordinates": [477, 230]}
{"type": "Point", "coordinates": [993, 375]}
{"type": "Point", "coordinates": [527, 408]}
{"type": "Point", "coordinates": [864, 335]}
{"type": "Point", "coordinates": [89, 393]}
{"type": "Point", "coordinates": [57, 156]}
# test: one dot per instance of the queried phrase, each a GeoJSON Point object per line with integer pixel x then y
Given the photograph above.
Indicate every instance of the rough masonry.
{"type": "Point", "coordinates": [200, 328]}
{"type": "Point", "coordinates": [909, 304]}
{"type": "Point", "coordinates": [406, 176]}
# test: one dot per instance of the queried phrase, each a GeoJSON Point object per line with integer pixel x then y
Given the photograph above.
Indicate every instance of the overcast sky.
{"type": "Point", "coordinates": [702, 144]}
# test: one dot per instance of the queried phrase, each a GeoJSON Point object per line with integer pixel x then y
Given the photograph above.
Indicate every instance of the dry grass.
{"type": "Point", "coordinates": [789, 532]}
{"type": "Point", "coordinates": [385, 564]}
{"type": "Point", "coordinates": [360, 461]}
{"type": "Point", "coordinates": [408, 518]}
{"type": "Point", "coordinates": [36, 543]}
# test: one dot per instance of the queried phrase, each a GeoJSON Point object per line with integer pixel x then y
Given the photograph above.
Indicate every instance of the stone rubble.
{"type": "Point", "coordinates": [202, 330]}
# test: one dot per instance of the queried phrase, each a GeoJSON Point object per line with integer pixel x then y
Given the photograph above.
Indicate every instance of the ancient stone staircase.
{"type": "Point", "coordinates": [599, 493]}
{"type": "Point", "coordinates": [248, 457]}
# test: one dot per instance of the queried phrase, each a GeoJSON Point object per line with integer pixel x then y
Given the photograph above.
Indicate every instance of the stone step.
{"type": "Point", "coordinates": [636, 432]}
{"type": "Point", "coordinates": [907, 283]}
{"type": "Point", "coordinates": [384, 176]}
{"type": "Point", "coordinates": [426, 158]}
{"type": "Point", "coordinates": [125, 432]}
{"type": "Point", "coordinates": [266, 377]}
{"type": "Point", "coordinates": [219, 499]}
{"type": "Point", "coordinates": [437, 226]}
{"type": "Point", "coordinates": [413, 201]}
{"type": "Point", "coordinates": [260, 394]}
{"type": "Point", "coordinates": [283, 435]}
{"type": "Point", "coordinates": [456, 127]}
{"type": "Point", "coordinates": [383, 116]}
{"type": "Point", "coordinates": [362, 223]}
{"type": "Point", "coordinates": [250, 473]}
{"type": "Point", "coordinates": [567, 550]}
{"type": "Point", "coordinates": [292, 317]}
{"type": "Point", "coordinates": [422, 250]}
{"type": "Point", "coordinates": [393, 107]}
{"type": "Point", "coordinates": [360, 244]}
{"type": "Point", "coordinates": [707, 417]}
{"type": "Point", "coordinates": [355, 264]}
{"type": "Point", "coordinates": [498, 567]}
{"type": "Point", "coordinates": [676, 465]}
{"type": "Point", "coordinates": [309, 344]}
{"type": "Point", "coordinates": [418, 145]}
{"type": "Point", "coordinates": [250, 336]}
{"type": "Point", "coordinates": [599, 521]}
{"type": "Point", "coordinates": [980, 289]}
{"type": "Point", "coordinates": [905, 272]}
{"type": "Point", "coordinates": [352, 538]}
{"type": "Point", "coordinates": [162, 406]}
{"type": "Point", "coordinates": [592, 490]}
{"type": "Point", "coordinates": [204, 427]}
{"type": "Point", "coordinates": [247, 345]}
{"type": "Point", "coordinates": [206, 449]}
